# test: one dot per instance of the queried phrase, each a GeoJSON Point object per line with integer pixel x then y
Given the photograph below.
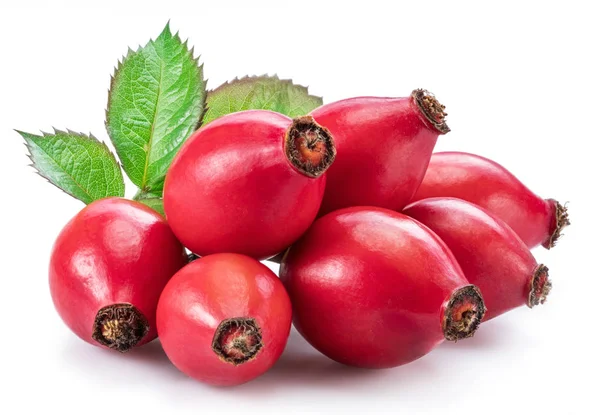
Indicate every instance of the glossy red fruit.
{"type": "Point", "coordinates": [489, 252]}
{"type": "Point", "coordinates": [250, 182]}
{"type": "Point", "coordinates": [489, 185]}
{"type": "Point", "coordinates": [107, 270]}
{"type": "Point", "coordinates": [373, 288]}
{"type": "Point", "coordinates": [224, 319]}
{"type": "Point", "coordinates": [383, 148]}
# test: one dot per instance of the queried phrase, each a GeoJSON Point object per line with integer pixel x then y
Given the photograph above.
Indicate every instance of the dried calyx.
{"type": "Point", "coordinates": [432, 109]}
{"type": "Point", "coordinates": [540, 286]}
{"type": "Point", "coordinates": [309, 146]}
{"type": "Point", "coordinates": [561, 221]}
{"type": "Point", "coordinates": [120, 327]}
{"type": "Point", "coordinates": [237, 340]}
{"type": "Point", "coordinates": [464, 312]}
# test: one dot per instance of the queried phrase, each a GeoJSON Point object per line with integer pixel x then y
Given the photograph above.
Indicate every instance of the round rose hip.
{"type": "Point", "coordinates": [374, 288]}
{"type": "Point", "coordinates": [224, 319]}
{"type": "Point", "coordinates": [249, 182]}
{"type": "Point", "coordinates": [107, 269]}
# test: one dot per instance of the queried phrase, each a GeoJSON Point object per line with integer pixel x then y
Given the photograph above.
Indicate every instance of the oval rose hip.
{"type": "Point", "coordinates": [108, 267]}
{"type": "Point", "coordinates": [373, 288]}
{"type": "Point", "coordinates": [489, 185]}
{"type": "Point", "coordinates": [224, 319]}
{"type": "Point", "coordinates": [489, 252]}
{"type": "Point", "coordinates": [383, 147]}
{"type": "Point", "coordinates": [249, 182]}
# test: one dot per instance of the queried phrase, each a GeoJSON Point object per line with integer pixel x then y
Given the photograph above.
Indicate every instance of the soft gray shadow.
{"type": "Point", "coordinates": [102, 362]}
{"type": "Point", "coordinates": [149, 354]}
{"type": "Point", "coordinates": [491, 334]}
{"type": "Point", "coordinates": [302, 366]}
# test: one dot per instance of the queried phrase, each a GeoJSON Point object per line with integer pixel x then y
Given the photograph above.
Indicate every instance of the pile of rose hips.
{"type": "Point", "coordinates": [386, 250]}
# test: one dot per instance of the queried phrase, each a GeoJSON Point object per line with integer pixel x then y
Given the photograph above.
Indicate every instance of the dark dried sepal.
{"type": "Point", "coordinates": [237, 340]}
{"type": "Point", "coordinates": [468, 302]}
{"type": "Point", "coordinates": [561, 220]}
{"type": "Point", "coordinates": [120, 327]}
{"type": "Point", "coordinates": [309, 146]}
{"type": "Point", "coordinates": [431, 109]}
{"type": "Point", "coordinates": [540, 286]}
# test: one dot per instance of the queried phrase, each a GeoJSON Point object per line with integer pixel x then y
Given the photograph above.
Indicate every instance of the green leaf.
{"type": "Point", "coordinates": [77, 163]}
{"type": "Point", "coordinates": [260, 92]}
{"type": "Point", "coordinates": [156, 100]}
{"type": "Point", "coordinates": [155, 203]}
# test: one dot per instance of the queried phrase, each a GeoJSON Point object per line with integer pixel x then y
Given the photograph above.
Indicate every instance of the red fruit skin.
{"type": "Point", "coordinates": [212, 289]}
{"type": "Point", "coordinates": [383, 148]}
{"type": "Point", "coordinates": [369, 286]}
{"type": "Point", "coordinates": [489, 185]}
{"type": "Point", "coordinates": [490, 253]}
{"type": "Point", "coordinates": [232, 189]}
{"type": "Point", "coordinates": [113, 251]}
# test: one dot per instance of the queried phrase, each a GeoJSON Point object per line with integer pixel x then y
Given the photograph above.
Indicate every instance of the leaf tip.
{"type": "Point", "coordinates": [166, 32]}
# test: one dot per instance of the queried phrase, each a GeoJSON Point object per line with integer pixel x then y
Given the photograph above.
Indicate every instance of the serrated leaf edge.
{"type": "Point", "coordinates": [190, 53]}
{"type": "Point", "coordinates": [57, 132]}
{"type": "Point", "coordinates": [266, 76]}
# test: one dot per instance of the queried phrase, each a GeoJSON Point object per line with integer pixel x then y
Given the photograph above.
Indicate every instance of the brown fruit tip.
{"type": "Point", "coordinates": [237, 340]}
{"type": "Point", "coordinates": [561, 221]}
{"type": "Point", "coordinates": [540, 286]}
{"type": "Point", "coordinates": [120, 327]}
{"type": "Point", "coordinates": [309, 146]}
{"type": "Point", "coordinates": [464, 313]}
{"type": "Point", "coordinates": [432, 109]}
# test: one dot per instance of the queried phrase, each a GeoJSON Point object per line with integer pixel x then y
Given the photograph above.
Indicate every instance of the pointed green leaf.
{"type": "Point", "coordinates": [155, 203]}
{"type": "Point", "coordinates": [77, 163]}
{"type": "Point", "coordinates": [260, 92]}
{"type": "Point", "coordinates": [156, 101]}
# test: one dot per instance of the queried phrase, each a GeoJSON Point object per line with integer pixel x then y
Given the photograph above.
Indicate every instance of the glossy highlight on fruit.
{"type": "Point", "coordinates": [489, 252]}
{"type": "Point", "coordinates": [108, 267]}
{"type": "Point", "coordinates": [249, 182]}
{"type": "Point", "coordinates": [383, 148]}
{"type": "Point", "coordinates": [224, 319]}
{"type": "Point", "coordinates": [373, 288]}
{"type": "Point", "coordinates": [487, 184]}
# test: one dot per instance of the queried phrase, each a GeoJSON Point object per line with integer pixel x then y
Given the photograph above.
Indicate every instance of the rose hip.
{"type": "Point", "coordinates": [224, 319]}
{"type": "Point", "coordinates": [489, 185]}
{"type": "Point", "coordinates": [250, 182]}
{"type": "Point", "coordinates": [383, 148]}
{"type": "Point", "coordinates": [373, 288]}
{"type": "Point", "coordinates": [108, 267]}
{"type": "Point", "coordinates": [489, 252]}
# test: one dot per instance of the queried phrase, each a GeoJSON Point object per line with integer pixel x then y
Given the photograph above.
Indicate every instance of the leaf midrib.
{"type": "Point", "coordinates": [153, 124]}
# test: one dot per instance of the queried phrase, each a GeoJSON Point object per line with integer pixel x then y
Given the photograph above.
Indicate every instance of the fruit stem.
{"type": "Point", "coordinates": [560, 222]}
{"type": "Point", "coordinates": [433, 111]}
{"type": "Point", "coordinates": [120, 327]}
{"type": "Point", "coordinates": [237, 340]}
{"type": "Point", "coordinates": [463, 313]}
{"type": "Point", "coordinates": [540, 286]}
{"type": "Point", "coordinates": [309, 146]}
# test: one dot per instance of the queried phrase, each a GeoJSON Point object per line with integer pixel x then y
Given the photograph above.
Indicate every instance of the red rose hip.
{"type": "Point", "coordinates": [224, 319]}
{"type": "Point", "coordinates": [107, 269]}
{"type": "Point", "coordinates": [249, 182]}
{"type": "Point", "coordinates": [383, 148]}
{"type": "Point", "coordinates": [489, 185]}
{"type": "Point", "coordinates": [489, 252]}
{"type": "Point", "coordinates": [373, 288]}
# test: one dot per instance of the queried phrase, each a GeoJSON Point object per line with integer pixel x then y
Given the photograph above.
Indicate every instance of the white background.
{"type": "Point", "coordinates": [520, 81]}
